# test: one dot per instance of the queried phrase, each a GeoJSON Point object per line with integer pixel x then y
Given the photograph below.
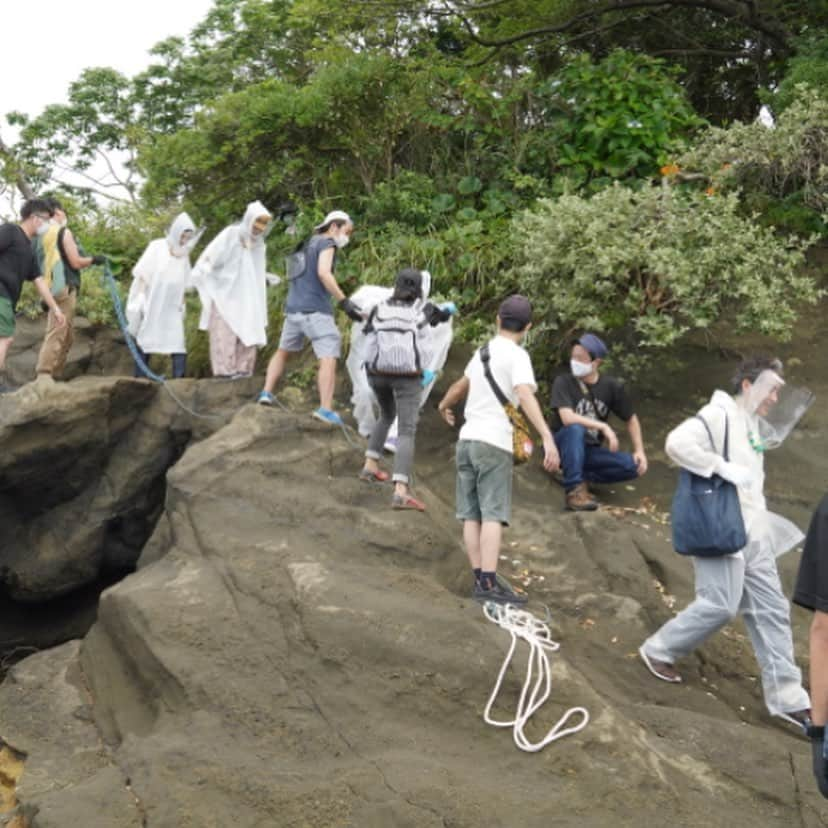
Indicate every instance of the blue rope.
{"type": "Point", "coordinates": [122, 322]}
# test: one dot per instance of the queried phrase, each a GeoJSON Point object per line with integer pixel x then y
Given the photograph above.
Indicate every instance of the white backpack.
{"type": "Point", "coordinates": [397, 340]}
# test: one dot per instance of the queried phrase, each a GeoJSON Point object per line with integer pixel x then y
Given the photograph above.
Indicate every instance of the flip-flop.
{"type": "Point", "coordinates": [653, 665]}
{"type": "Point", "coordinates": [378, 476]}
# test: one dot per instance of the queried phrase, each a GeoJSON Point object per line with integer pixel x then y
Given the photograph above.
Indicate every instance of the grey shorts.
{"type": "Point", "coordinates": [319, 328]}
{"type": "Point", "coordinates": [484, 482]}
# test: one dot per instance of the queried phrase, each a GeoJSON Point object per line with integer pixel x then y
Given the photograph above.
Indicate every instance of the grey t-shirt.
{"type": "Point", "coordinates": [306, 293]}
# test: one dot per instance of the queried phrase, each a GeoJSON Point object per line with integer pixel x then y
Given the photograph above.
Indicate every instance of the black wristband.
{"type": "Point", "coordinates": [815, 731]}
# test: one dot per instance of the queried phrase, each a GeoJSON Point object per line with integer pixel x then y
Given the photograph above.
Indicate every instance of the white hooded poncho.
{"type": "Point", "coordinates": [230, 274]}
{"type": "Point", "coordinates": [155, 306]}
{"type": "Point", "coordinates": [689, 446]}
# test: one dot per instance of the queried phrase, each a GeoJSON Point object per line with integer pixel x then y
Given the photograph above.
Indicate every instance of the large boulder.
{"type": "Point", "coordinates": [293, 653]}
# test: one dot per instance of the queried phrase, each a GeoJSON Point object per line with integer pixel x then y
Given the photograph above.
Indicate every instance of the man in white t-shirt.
{"type": "Point", "coordinates": [484, 450]}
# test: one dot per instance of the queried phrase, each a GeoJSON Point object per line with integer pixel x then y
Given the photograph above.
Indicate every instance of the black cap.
{"type": "Point", "coordinates": [515, 312]}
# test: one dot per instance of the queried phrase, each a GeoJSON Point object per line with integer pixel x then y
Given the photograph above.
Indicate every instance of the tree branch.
{"type": "Point", "coordinates": [20, 180]}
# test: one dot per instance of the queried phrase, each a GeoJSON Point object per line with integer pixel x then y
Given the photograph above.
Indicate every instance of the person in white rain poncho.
{"type": "Point", "coordinates": [746, 582]}
{"type": "Point", "coordinates": [363, 398]}
{"type": "Point", "coordinates": [231, 280]}
{"type": "Point", "coordinates": [155, 306]}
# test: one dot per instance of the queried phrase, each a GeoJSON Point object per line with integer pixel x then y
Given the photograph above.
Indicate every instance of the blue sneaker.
{"type": "Point", "coordinates": [328, 416]}
{"type": "Point", "coordinates": [265, 398]}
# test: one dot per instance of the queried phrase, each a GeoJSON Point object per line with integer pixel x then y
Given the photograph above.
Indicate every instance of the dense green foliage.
{"type": "Point", "coordinates": [507, 145]}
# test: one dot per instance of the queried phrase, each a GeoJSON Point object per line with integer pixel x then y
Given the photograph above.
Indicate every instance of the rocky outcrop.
{"type": "Point", "coordinates": [291, 652]}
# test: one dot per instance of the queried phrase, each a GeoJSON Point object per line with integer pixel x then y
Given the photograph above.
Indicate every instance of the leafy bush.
{"type": "Point", "coordinates": [619, 118]}
{"type": "Point", "coordinates": [659, 261]}
{"type": "Point", "coordinates": [781, 171]}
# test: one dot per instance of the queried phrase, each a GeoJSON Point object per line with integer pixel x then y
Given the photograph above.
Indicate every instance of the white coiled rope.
{"type": "Point", "coordinates": [537, 686]}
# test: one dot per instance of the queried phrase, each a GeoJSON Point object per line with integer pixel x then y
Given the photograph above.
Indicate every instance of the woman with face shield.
{"type": "Point", "coordinates": [232, 283]}
{"type": "Point", "coordinates": [745, 583]}
{"type": "Point", "coordinates": [155, 306]}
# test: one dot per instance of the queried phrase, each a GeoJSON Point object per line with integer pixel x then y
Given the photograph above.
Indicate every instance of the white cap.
{"type": "Point", "coordinates": [334, 215]}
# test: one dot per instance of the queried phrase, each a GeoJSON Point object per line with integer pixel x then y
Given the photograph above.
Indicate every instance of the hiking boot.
{"type": "Point", "coordinates": [499, 593]}
{"type": "Point", "coordinates": [328, 416]}
{"type": "Point", "coordinates": [580, 500]}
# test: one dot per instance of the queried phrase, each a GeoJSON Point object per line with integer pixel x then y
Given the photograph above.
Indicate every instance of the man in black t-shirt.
{"type": "Point", "coordinates": [581, 403]}
{"type": "Point", "coordinates": [18, 264]}
{"type": "Point", "coordinates": [811, 592]}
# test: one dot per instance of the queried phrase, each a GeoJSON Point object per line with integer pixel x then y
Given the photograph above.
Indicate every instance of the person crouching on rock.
{"type": "Point", "coordinates": [581, 403]}
{"type": "Point", "coordinates": [232, 283]}
{"type": "Point", "coordinates": [745, 582]}
{"type": "Point", "coordinates": [397, 350]}
{"type": "Point", "coordinates": [18, 264]}
{"type": "Point", "coordinates": [155, 306]}
{"type": "Point", "coordinates": [485, 449]}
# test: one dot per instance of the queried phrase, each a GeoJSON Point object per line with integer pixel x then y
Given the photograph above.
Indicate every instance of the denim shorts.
{"type": "Point", "coordinates": [319, 328]}
{"type": "Point", "coordinates": [484, 482]}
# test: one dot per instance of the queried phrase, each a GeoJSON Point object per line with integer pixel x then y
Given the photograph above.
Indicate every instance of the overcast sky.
{"type": "Point", "coordinates": [47, 44]}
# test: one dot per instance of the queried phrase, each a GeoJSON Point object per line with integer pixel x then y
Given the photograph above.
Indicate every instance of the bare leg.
{"type": "Point", "coordinates": [275, 369]}
{"type": "Point", "coordinates": [491, 532]}
{"type": "Point", "coordinates": [5, 344]}
{"type": "Point", "coordinates": [471, 538]}
{"type": "Point", "coordinates": [326, 380]}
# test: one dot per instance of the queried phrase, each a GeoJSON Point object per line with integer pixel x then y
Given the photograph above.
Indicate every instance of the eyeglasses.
{"type": "Point", "coordinates": [40, 216]}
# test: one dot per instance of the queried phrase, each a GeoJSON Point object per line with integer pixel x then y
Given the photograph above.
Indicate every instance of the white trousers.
{"type": "Point", "coordinates": [746, 583]}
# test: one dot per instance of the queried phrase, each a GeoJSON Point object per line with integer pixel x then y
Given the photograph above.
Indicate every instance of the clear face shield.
{"type": "Point", "coordinates": [776, 407]}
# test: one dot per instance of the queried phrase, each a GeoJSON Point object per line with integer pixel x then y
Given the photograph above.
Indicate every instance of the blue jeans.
{"type": "Point", "coordinates": [595, 464]}
{"type": "Point", "coordinates": [179, 364]}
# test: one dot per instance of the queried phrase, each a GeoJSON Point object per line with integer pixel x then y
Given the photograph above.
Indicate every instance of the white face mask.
{"type": "Point", "coordinates": [42, 228]}
{"type": "Point", "coordinates": [580, 369]}
{"type": "Point", "coordinates": [341, 241]}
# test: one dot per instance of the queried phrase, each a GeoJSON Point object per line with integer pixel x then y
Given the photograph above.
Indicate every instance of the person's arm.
{"type": "Point", "coordinates": [634, 429]}
{"type": "Point", "coordinates": [458, 391]}
{"type": "Point", "coordinates": [531, 407]}
{"type": "Point", "coordinates": [46, 296]}
{"type": "Point", "coordinates": [73, 256]}
{"type": "Point", "coordinates": [324, 270]}
{"type": "Point", "coordinates": [570, 417]}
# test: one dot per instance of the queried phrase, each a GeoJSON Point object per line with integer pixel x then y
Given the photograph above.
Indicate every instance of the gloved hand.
{"type": "Point", "coordinates": [351, 309]}
{"type": "Point", "coordinates": [99, 259]}
{"type": "Point", "coordinates": [428, 378]}
{"type": "Point", "coordinates": [449, 307]}
{"type": "Point", "coordinates": [733, 473]}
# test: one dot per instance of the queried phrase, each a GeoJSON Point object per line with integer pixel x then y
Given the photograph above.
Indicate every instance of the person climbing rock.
{"type": "Point", "coordinates": [484, 454]}
{"type": "Point", "coordinates": [231, 278]}
{"type": "Point", "coordinates": [309, 315]}
{"type": "Point", "coordinates": [398, 348]}
{"type": "Point", "coordinates": [744, 583]}
{"type": "Point", "coordinates": [18, 264]}
{"type": "Point", "coordinates": [581, 403]}
{"type": "Point", "coordinates": [155, 306]}
{"type": "Point", "coordinates": [61, 259]}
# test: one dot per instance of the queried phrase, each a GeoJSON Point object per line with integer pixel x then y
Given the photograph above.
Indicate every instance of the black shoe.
{"type": "Point", "coordinates": [499, 593]}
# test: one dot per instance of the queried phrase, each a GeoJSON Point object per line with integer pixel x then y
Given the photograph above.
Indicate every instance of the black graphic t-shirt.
{"type": "Point", "coordinates": [596, 401]}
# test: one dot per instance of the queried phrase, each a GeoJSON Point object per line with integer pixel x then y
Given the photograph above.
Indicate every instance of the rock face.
{"type": "Point", "coordinates": [291, 652]}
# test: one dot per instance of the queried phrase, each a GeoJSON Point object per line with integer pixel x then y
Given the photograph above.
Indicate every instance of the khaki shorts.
{"type": "Point", "coordinates": [484, 482]}
{"type": "Point", "coordinates": [6, 318]}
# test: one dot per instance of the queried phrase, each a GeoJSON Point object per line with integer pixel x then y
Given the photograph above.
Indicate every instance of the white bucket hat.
{"type": "Point", "coordinates": [334, 215]}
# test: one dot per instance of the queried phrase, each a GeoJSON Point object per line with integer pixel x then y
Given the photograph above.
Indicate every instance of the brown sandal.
{"type": "Point", "coordinates": [660, 669]}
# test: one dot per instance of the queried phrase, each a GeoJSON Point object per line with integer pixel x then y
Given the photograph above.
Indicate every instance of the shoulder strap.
{"type": "Point", "coordinates": [485, 358]}
{"type": "Point", "coordinates": [726, 447]}
{"type": "Point", "coordinates": [60, 247]}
